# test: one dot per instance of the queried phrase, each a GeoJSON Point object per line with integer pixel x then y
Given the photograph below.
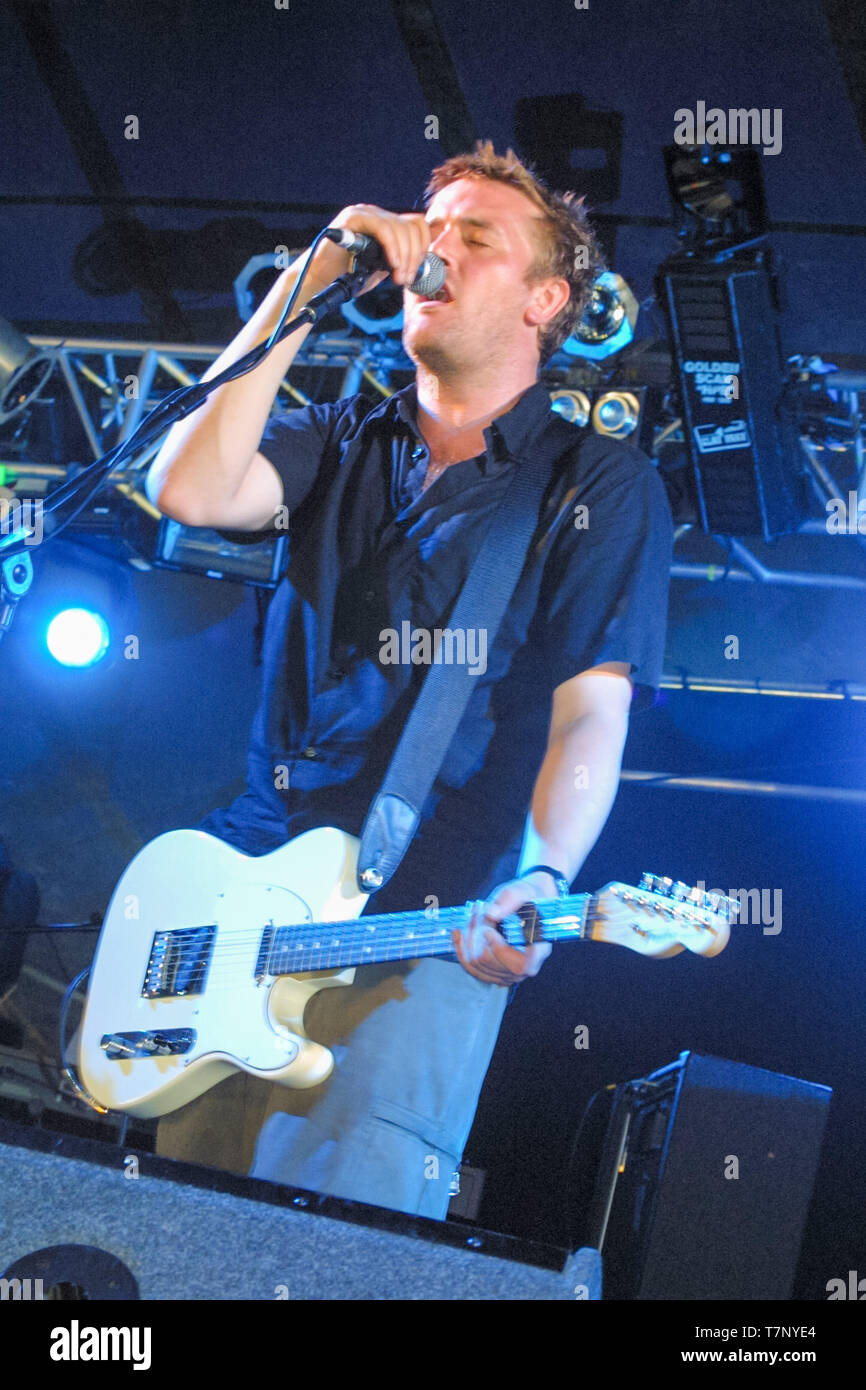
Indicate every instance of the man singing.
{"type": "Point", "coordinates": [388, 504]}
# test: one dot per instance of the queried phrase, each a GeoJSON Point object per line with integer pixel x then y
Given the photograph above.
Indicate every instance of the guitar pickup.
{"type": "Point", "coordinates": [178, 962]}
{"type": "Point", "coordinates": [120, 1047]}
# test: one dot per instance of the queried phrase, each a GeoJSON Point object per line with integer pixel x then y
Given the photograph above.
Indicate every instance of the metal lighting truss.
{"type": "Point", "coordinates": [108, 365]}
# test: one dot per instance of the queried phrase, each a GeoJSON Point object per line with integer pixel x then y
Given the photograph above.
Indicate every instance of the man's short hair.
{"type": "Point", "coordinates": [567, 245]}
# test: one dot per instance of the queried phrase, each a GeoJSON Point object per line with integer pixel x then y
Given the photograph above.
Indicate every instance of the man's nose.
{"type": "Point", "coordinates": [441, 242]}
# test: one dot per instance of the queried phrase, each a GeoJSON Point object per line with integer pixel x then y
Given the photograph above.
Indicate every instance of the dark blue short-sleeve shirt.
{"type": "Point", "coordinates": [375, 562]}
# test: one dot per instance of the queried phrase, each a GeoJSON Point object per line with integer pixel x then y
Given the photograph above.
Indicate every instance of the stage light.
{"type": "Point", "coordinates": [24, 371]}
{"type": "Point", "coordinates": [616, 414]}
{"type": "Point", "coordinates": [77, 637]}
{"type": "Point", "coordinates": [573, 406]}
{"type": "Point", "coordinates": [382, 312]}
{"type": "Point", "coordinates": [699, 185]}
{"type": "Point", "coordinates": [603, 315]}
{"type": "Point", "coordinates": [717, 194]}
{"type": "Point", "coordinates": [236, 555]}
{"type": "Point", "coordinates": [608, 321]}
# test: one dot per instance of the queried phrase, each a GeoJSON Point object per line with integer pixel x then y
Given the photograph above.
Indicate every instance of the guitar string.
{"type": "Point", "coordinates": [229, 976]}
{"type": "Point", "coordinates": [357, 943]}
{"type": "Point", "coordinates": [239, 941]}
{"type": "Point", "coordinates": [307, 934]}
{"type": "Point", "coordinates": [222, 972]}
{"type": "Point", "coordinates": [355, 938]}
{"type": "Point", "coordinates": [354, 928]}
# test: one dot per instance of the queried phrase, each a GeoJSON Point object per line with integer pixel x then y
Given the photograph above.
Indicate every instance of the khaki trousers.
{"type": "Point", "coordinates": [413, 1043]}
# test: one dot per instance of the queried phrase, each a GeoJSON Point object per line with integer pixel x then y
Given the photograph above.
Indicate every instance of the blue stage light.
{"type": "Point", "coordinates": [77, 637]}
{"type": "Point", "coordinates": [608, 321]}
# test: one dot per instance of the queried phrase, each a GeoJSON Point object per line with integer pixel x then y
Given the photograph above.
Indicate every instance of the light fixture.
{"type": "Point", "coordinates": [77, 637]}
{"type": "Point", "coordinates": [616, 414]}
{"type": "Point", "coordinates": [24, 371]}
{"type": "Point", "coordinates": [238, 555]}
{"type": "Point", "coordinates": [382, 312]}
{"type": "Point", "coordinates": [608, 321]}
{"type": "Point", "coordinates": [574, 406]}
{"type": "Point", "coordinates": [717, 195]}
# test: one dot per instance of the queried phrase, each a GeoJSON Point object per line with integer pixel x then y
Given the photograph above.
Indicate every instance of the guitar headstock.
{"type": "Point", "coordinates": [661, 918]}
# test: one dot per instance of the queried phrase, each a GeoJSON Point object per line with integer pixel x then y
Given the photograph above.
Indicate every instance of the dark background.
{"type": "Point", "coordinates": [256, 125]}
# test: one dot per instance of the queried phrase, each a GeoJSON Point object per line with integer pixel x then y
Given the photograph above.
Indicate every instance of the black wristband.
{"type": "Point", "coordinates": [562, 884]}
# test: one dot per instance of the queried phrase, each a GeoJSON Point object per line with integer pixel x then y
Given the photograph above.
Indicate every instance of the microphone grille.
{"type": "Point", "coordinates": [432, 276]}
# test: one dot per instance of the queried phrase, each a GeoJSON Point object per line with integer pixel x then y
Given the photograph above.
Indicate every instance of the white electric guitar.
{"type": "Point", "coordinates": [207, 957]}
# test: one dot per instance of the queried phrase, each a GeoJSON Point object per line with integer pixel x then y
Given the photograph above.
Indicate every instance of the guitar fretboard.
{"type": "Point", "coordinates": [290, 950]}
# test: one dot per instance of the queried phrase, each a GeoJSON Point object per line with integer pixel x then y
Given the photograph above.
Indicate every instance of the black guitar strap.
{"type": "Point", "coordinates": [396, 810]}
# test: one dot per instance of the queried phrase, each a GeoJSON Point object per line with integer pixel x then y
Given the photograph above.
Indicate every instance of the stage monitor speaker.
{"type": "Point", "coordinates": [97, 1221]}
{"type": "Point", "coordinates": [705, 1182]}
{"type": "Point", "coordinates": [723, 328]}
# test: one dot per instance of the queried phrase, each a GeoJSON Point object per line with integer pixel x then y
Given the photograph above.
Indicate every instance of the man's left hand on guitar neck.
{"type": "Point", "coordinates": [484, 952]}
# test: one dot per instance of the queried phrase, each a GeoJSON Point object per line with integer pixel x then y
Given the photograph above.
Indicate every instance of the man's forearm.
{"type": "Point", "coordinates": [574, 792]}
{"type": "Point", "coordinates": [207, 467]}
{"type": "Point", "coordinates": [209, 452]}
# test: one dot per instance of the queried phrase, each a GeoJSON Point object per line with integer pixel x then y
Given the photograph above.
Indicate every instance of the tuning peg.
{"type": "Point", "coordinates": [680, 891]}
{"type": "Point", "coordinates": [646, 882]}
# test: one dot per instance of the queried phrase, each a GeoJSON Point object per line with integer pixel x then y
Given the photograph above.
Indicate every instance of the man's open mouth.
{"type": "Point", "coordinates": [443, 296]}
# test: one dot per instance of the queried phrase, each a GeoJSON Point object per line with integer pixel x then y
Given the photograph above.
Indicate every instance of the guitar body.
{"type": "Point", "coordinates": [244, 1019]}
{"type": "Point", "coordinates": [207, 958]}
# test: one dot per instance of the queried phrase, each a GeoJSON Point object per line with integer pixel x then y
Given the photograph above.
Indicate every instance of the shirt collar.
{"type": "Point", "coordinates": [506, 435]}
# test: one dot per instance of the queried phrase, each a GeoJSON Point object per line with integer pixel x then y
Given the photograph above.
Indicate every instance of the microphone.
{"type": "Point", "coordinates": [430, 275]}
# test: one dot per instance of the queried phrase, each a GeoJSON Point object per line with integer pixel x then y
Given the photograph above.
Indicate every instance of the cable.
{"type": "Point", "coordinates": [55, 926]}
{"type": "Point", "coordinates": [80, 1090]}
{"type": "Point", "coordinates": [293, 296]}
{"type": "Point", "coordinates": [567, 1187]}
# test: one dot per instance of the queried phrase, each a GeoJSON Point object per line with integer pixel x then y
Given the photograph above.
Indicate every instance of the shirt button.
{"type": "Point", "coordinates": [310, 752]}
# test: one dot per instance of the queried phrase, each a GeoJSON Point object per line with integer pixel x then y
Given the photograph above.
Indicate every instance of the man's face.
{"type": "Point", "coordinates": [484, 232]}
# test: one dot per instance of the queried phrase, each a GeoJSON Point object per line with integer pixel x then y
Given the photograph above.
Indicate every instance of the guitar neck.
{"type": "Point", "coordinates": [393, 936]}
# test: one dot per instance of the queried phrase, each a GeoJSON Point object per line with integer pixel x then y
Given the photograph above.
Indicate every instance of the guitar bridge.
{"type": "Point", "coordinates": [178, 962]}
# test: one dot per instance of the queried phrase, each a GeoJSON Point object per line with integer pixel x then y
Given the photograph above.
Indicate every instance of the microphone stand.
{"type": "Point", "coordinates": [180, 404]}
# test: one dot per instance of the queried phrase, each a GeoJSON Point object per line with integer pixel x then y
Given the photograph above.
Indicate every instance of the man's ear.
{"type": "Point", "coordinates": [548, 298]}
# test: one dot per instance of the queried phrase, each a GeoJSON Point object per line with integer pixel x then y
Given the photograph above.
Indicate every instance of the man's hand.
{"type": "Point", "coordinates": [480, 948]}
{"type": "Point", "coordinates": [404, 237]}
